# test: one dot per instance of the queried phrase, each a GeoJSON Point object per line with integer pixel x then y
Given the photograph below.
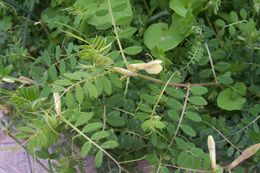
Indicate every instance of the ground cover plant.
{"type": "Point", "coordinates": [133, 80]}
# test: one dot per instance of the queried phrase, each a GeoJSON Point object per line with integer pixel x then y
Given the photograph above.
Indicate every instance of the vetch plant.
{"type": "Point", "coordinates": [128, 81]}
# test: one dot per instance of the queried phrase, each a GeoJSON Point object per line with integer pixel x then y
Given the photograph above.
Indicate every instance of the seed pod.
{"type": "Point", "coordinates": [212, 152]}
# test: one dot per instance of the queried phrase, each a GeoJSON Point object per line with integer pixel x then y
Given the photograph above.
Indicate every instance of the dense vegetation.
{"type": "Point", "coordinates": [130, 80]}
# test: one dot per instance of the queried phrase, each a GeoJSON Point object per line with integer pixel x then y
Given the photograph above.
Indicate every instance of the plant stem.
{"type": "Point", "coordinates": [104, 117]}
{"type": "Point", "coordinates": [180, 85]}
{"type": "Point", "coordinates": [211, 63]}
{"type": "Point", "coordinates": [187, 169]}
{"type": "Point", "coordinates": [134, 160]}
{"type": "Point", "coordinates": [116, 33]}
{"type": "Point", "coordinates": [182, 115]}
{"type": "Point", "coordinates": [222, 136]}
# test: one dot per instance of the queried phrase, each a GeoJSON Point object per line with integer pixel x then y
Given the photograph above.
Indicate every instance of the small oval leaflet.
{"type": "Point", "coordinates": [133, 50]}
{"type": "Point", "coordinates": [188, 130]}
{"type": "Point", "coordinates": [114, 119]}
{"type": "Point", "coordinates": [85, 149]}
{"type": "Point", "coordinates": [198, 101]}
{"type": "Point", "coordinates": [92, 127]}
{"type": "Point", "coordinates": [79, 94]}
{"type": "Point", "coordinates": [199, 90]}
{"type": "Point", "coordinates": [100, 135]}
{"type": "Point", "coordinates": [99, 158]}
{"type": "Point", "coordinates": [193, 116]}
{"type": "Point", "coordinates": [109, 145]}
{"type": "Point", "coordinates": [84, 118]}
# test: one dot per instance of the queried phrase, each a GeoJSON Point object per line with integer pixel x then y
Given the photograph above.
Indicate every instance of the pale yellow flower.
{"type": "Point", "coordinates": [153, 67]}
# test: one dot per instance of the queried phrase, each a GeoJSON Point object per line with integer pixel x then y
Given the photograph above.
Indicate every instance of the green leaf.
{"type": "Point", "coordinates": [193, 116]}
{"type": "Point", "coordinates": [72, 76]}
{"type": "Point", "coordinates": [142, 116]}
{"type": "Point", "coordinates": [188, 130]}
{"type": "Point", "coordinates": [114, 119]}
{"type": "Point", "coordinates": [57, 53]}
{"type": "Point", "coordinates": [85, 149]}
{"type": "Point", "coordinates": [92, 127]}
{"type": "Point", "coordinates": [99, 158]}
{"type": "Point", "coordinates": [122, 12]}
{"type": "Point", "coordinates": [225, 79]}
{"type": "Point", "coordinates": [233, 16]}
{"type": "Point", "coordinates": [92, 90]}
{"type": "Point", "coordinates": [243, 13]}
{"type": "Point", "coordinates": [26, 129]}
{"type": "Point", "coordinates": [198, 101]}
{"type": "Point", "coordinates": [133, 50]}
{"type": "Point", "coordinates": [128, 32]}
{"type": "Point", "coordinates": [109, 145]}
{"type": "Point", "coordinates": [173, 115]}
{"type": "Point", "coordinates": [100, 135]}
{"type": "Point", "coordinates": [145, 108]}
{"type": "Point", "coordinates": [176, 93]}
{"type": "Point", "coordinates": [70, 48]}
{"type": "Point", "coordinates": [148, 98]}
{"type": "Point", "coordinates": [119, 7]}
{"type": "Point", "coordinates": [107, 87]}
{"type": "Point", "coordinates": [152, 123]}
{"type": "Point", "coordinates": [178, 7]}
{"type": "Point", "coordinates": [63, 82]}
{"type": "Point", "coordinates": [230, 151]}
{"type": "Point", "coordinates": [47, 58]}
{"type": "Point", "coordinates": [159, 35]}
{"type": "Point", "coordinates": [53, 72]}
{"type": "Point", "coordinates": [159, 125]}
{"type": "Point", "coordinates": [232, 30]}
{"type": "Point", "coordinates": [69, 99]}
{"type": "Point", "coordinates": [184, 159]}
{"type": "Point", "coordinates": [232, 98]}
{"type": "Point", "coordinates": [62, 67]}
{"type": "Point", "coordinates": [199, 90]}
{"type": "Point", "coordinates": [183, 145]}
{"type": "Point", "coordinates": [220, 23]}
{"type": "Point", "coordinates": [79, 94]}
{"type": "Point", "coordinates": [166, 38]}
{"type": "Point", "coordinates": [154, 139]}
{"type": "Point", "coordinates": [83, 118]}
{"type": "Point", "coordinates": [174, 104]}
{"type": "Point", "coordinates": [256, 128]}
{"type": "Point", "coordinates": [115, 80]}
{"type": "Point", "coordinates": [57, 89]}
{"type": "Point", "coordinates": [7, 70]}
{"type": "Point", "coordinates": [73, 61]}
{"type": "Point", "coordinates": [99, 86]}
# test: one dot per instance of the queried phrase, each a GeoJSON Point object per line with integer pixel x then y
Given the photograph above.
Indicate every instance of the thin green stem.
{"type": "Point", "coordinates": [226, 139]}
{"type": "Point", "coordinates": [211, 63]}
{"type": "Point", "coordinates": [235, 23]}
{"type": "Point", "coordinates": [104, 117]}
{"type": "Point", "coordinates": [187, 169]}
{"type": "Point", "coordinates": [182, 115]}
{"type": "Point", "coordinates": [134, 160]}
{"type": "Point", "coordinates": [116, 33]}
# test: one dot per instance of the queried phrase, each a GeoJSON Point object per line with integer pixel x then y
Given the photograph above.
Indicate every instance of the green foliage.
{"type": "Point", "coordinates": [232, 98]}
{"type": "Point", "coordinates": [209, 83]}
